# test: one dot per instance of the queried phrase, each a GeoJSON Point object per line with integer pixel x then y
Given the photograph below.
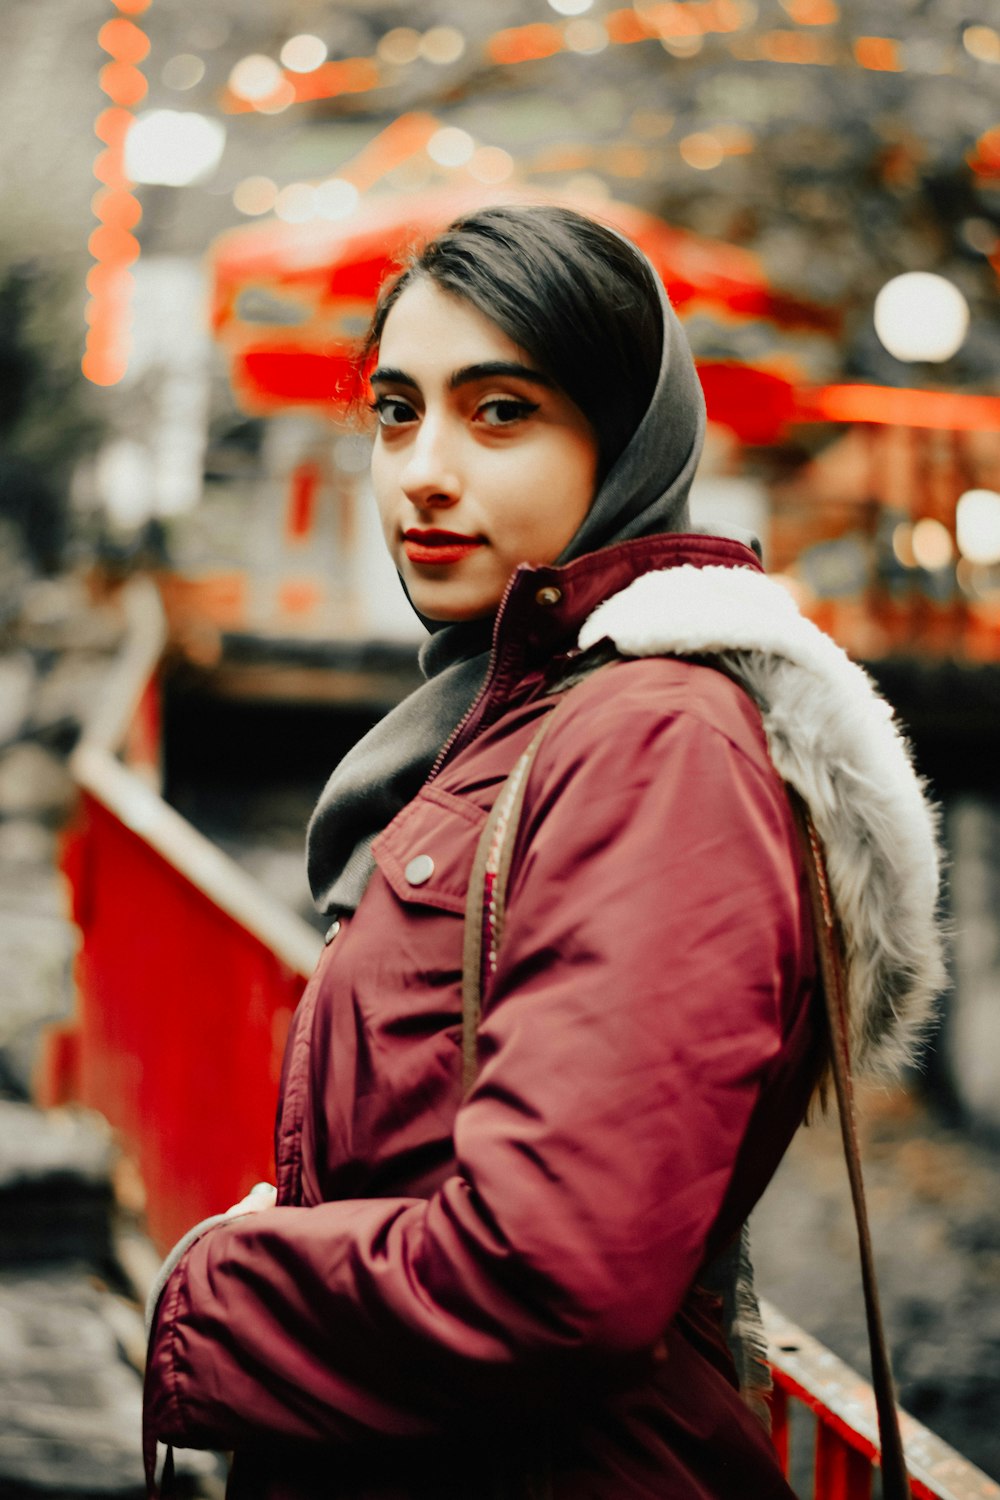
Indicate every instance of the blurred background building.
{"type": "Point", "coordinates": [197, 205]}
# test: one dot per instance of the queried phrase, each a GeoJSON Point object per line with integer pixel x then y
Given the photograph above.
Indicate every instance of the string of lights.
{"type": "Point", "coordinates": [113, 245]}
{"type": "Point", "coordinates": [260, 83]}
{"type": "Point", "coordinates": [303, 73]}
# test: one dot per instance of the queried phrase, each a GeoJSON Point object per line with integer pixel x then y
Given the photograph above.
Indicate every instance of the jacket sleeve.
{"type": "Point", "coordinates": [652, 940]}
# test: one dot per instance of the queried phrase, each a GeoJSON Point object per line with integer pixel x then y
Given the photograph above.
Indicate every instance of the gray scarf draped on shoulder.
{"type": "Point", "coordinates": [645, 492]}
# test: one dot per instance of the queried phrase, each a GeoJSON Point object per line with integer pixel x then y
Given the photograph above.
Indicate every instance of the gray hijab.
{"type": "Point", "coordinates": [645, 493]}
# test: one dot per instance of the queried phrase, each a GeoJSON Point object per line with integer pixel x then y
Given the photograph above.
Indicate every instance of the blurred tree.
{"type": "Point", "coordinates": [46, 419]}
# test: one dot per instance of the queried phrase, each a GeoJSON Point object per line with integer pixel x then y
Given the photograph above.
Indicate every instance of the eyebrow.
{"type": "Point", "coordinates": [488, 370]}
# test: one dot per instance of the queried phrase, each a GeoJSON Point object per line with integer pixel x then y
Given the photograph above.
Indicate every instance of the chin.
{"type": "Point", "coordinates": [451, 613]}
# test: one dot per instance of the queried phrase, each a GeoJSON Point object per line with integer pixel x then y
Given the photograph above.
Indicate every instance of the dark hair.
{"type": "Point", "coordinates": [573, 294]}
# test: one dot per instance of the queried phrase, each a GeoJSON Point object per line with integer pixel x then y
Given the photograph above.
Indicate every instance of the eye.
{"type": "Point", "coordinates": [503, 411]}
{"type": "Point", "coordinates": [393, 411]}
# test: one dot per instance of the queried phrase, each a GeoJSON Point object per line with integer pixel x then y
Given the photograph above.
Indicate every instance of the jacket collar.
{"type": "Point", "coordinates": [544, 607]}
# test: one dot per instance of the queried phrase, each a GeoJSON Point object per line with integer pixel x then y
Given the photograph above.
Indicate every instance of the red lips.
{"type": "Point", "coordinates": [438, 548]}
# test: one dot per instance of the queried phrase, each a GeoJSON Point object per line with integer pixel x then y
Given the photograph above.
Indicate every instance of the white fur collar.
{"type": "Point", "coordinates": [834, 740]}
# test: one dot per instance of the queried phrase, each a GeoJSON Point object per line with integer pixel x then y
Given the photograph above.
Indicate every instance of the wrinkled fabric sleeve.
{"type": "Point", "coordinates": [652, 933]}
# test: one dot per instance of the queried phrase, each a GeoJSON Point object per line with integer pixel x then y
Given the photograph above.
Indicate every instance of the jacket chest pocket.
{"type": "Point", "coordinates": [387, 1042]}
{"type": "Point", "coordinates": [414, 920]}
{"type": "Point", "coordinates": [426, 853]}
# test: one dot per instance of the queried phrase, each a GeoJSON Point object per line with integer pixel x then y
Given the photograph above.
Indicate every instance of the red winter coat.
{"type": "Point", "coordinates": [456, 1297]}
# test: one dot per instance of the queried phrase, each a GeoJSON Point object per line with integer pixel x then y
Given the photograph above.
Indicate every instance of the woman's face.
{"type": "Point", "coordinates": [480, 462]}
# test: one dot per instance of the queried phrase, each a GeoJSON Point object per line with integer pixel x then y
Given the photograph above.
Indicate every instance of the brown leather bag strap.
{"type": "Point", "coordinates": [895, 1483]}
{"type": "Point", "coordinates": [484, 915]}
{"type": "Point", "coordinates": [486, 899]}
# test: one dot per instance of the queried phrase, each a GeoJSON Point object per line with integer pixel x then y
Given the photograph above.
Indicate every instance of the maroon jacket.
{"type": "Point", "coordinates": [471, 1299]}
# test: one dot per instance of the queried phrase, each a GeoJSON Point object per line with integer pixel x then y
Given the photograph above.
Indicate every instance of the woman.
{"type": "Point", "coordinates": [507, 1295]}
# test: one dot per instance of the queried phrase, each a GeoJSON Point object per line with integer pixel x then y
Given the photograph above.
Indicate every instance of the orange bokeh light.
{"type": "Point", "coordinates": [525, 43]}
{"type": "Point", "coordinates": [115, 246]}
{"type": "Point", "coordinates": [109, 282]}
{"type": "Point", "coordinates": [123, 83]}
{"type": "Point", "coordinates": [792, 47]}
{"type": "Point", "coordinates": [349, 75]}
{"type": "Point", "coordinates": [812, 12]}
{"type": "Point", "coordinates": [985, 159]}
{"type": "Point", "coordinates": [119, 209]}
{"type": "Point", "coordinates": [125, 41]}
{"type": "Point", "coordinates": [103, 367]}
{"type": "Point", "coordinates": [113, 125]}
{"type": "Point", "coordinates": [880, 53]}
{"type": "Point", "coordinates": [109, 168]}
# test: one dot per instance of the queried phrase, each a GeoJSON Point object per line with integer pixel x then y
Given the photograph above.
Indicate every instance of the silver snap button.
{"type": "Point", "coordinates": [548, 596]}
{"type": "Point", "coordinates": [331, 931]}
{"type": "Point", "coordinates": [420, 869]}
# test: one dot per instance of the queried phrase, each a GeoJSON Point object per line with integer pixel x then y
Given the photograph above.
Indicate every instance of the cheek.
{"type": "Point", "coordinates": [382, 489]}
{"type": "Point", "coordinates": [574, 474]}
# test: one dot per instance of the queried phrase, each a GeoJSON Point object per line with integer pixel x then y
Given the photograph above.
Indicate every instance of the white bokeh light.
{"type": "Point", "coordinates": [920, 316]}
{"type": "Point", "coordinates": [255, 77]}
{"type": "Point", "coordinates": [450, 146]}
{"type": "Point", "coordinates": [296, 203]}
{"type": "Point", "coordinates": [304, 53]}
{"type": "Point", "coordinates": [571, 7]}
{"type": "Point", "coordinates": [173, 147]}
{"type": "Point", "coordinates": [977, 524]}
{"type": "Point", "coordinates": [335, 198]}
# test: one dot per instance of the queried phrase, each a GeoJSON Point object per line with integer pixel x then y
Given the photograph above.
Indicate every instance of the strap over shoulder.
{"type": "Point", "coordinates": [484, 919]}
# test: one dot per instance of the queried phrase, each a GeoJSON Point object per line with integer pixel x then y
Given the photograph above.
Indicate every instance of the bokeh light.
{"type": "Point", "coordinates": [296, 204]}
{"type": "Point", "coordinates": [123, 40]}
{"type": "Point", "coordinates": [982, 43]}
{"type": "Point", "coordinates": [701, 150]}
{"type": "Point", "coordinates": [254, 77]}
{"type": "Point", "coordinates": [977, 523]}
{"type": "Point", "coordinates": [255, 195]}
{"type": "Point", "coordinates": [335, 199]}
{"type": "Point", "coordinates": [586, 36]}
{"type": "Point", "coordinates": [902, 544]}
{"type": "Point", "coordinates": [921, 316]}
{"type": "Point", "coordinates": [173, 147]}
{"type": "Point", "coordinates": [304, 53]}
{"type": "Point", "coordinates": [442, 45]}
{"type": "Point", "coordinates": [123, 83]}
{"type": "Point", "coordinates": [571, 7]}
{"type": "Point", "coordinates": [399, 46]}
{"type": "Point", "coordinates": [277, 100]}
{"type": "Point", "coordinates": [185, 71]}
{"type": "Point", "coordinates": [491, 164]}
{"type": "Point", "coordinates": [450, 146]}
{"type": "Point", "coordinates": [932, 545]}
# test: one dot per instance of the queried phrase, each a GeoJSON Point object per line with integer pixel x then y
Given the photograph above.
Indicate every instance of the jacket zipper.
{"type": "Point", "coordinates": [483, 693]}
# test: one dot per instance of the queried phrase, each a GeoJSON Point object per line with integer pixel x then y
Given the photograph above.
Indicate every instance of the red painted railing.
{"type": "Point", "coordinates": [188, 971]}
{"type": "Point", "coordinates": [187, 976]}
{"type": "Point", "coordinates": [826, 1431]}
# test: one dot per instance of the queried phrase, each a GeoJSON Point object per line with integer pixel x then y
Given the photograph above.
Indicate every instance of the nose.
{"type": "Point", "coordinates": [430, 477]}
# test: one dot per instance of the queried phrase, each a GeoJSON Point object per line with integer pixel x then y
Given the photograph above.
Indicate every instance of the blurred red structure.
{"type": "Point", "coordinates": [320, 282]}
{"type": "Point", "coordinates": [182, 1023]}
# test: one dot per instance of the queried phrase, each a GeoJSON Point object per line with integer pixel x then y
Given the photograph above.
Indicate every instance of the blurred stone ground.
{"type": "Point", "coordinates": [934, 1205]}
